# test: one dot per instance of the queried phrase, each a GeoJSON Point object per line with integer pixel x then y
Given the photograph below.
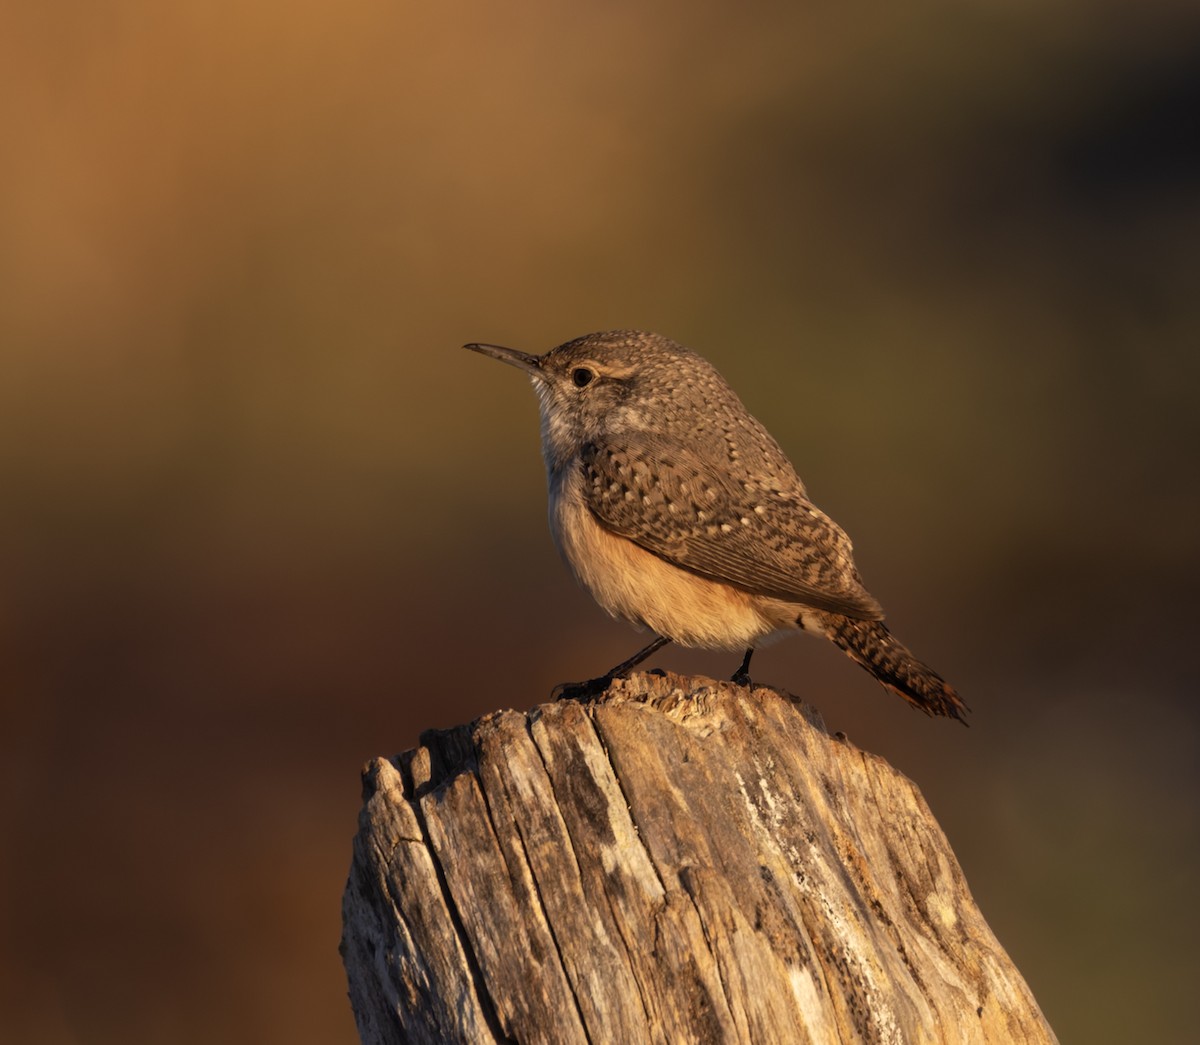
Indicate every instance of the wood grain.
{"type": "Point", "coordinates": [682, 860]}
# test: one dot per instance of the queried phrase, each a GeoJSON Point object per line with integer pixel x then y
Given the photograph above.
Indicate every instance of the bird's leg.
{"type": "Point", "coordinates": [594, 687]}
{"type": "Point", "coordinates": [623, 669]}
{"type": "Point", "coordinates": [742, 675]}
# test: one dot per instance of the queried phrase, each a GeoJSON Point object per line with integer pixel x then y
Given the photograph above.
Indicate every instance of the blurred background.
{"type": "Point", "coordinates": [261, 519]}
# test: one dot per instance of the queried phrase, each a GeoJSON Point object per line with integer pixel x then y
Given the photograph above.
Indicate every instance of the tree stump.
{"type": "Point", "coordinates": [682, 860]}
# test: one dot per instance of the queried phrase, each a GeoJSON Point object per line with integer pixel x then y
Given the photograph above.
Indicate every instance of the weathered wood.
{"type": "Point", "coordinates": [682, 860]}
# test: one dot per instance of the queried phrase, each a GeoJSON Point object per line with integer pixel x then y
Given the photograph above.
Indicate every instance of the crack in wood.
{"type": "Point", "coordinates": [681, 860]}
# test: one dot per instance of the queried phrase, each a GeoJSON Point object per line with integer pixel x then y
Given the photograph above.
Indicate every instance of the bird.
{"type": "Point", "coordinates": [680, 514]}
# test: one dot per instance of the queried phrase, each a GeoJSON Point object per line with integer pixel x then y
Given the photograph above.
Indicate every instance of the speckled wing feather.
{"type": "Point", "coordinates": [754, 534]}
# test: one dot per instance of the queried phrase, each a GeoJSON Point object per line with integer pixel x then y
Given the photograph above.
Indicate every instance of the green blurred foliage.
{"type": "Point", "coordinates": [262, 520]}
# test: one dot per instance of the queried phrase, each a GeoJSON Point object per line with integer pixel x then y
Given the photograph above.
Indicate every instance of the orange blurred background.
{"type": "Point", "coordinates": [263, 520]}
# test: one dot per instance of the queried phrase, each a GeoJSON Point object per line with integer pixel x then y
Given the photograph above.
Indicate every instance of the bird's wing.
{"type": "Point", "coordinates": [748, 533]}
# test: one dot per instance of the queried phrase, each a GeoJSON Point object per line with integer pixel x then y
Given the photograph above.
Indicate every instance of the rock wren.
{"type": "Point", "coordinates": [679, 513]}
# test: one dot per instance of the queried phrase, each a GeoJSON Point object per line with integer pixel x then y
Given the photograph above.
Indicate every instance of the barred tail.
{"type": "Point", "coordinates": [874, 647]}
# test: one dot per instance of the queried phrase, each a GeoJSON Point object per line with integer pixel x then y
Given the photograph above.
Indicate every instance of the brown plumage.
{"type": "Point", "coordinates": [677, 510]}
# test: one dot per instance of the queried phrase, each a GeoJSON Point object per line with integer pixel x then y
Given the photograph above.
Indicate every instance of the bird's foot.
{"type": "Point", "coordinates": [594, 687]}
{"type": "Point", "coordinates": [588, 690]}
{"type": "Point", "coordinates": [741, 677]}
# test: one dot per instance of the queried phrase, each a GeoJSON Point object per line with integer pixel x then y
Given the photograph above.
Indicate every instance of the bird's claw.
{"type": "Point", "coordinates": [588, 690]}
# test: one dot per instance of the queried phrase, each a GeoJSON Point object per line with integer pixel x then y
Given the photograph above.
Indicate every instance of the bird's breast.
{"type": "Point", "coordinates": [647, 590]}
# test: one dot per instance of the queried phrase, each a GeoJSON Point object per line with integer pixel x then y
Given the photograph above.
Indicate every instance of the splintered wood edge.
{"type": "Point", "coordinates": [597, 867]}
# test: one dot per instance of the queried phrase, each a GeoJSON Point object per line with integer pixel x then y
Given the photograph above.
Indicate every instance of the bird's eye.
{"type": "Point", "coordinates": [582, 376]}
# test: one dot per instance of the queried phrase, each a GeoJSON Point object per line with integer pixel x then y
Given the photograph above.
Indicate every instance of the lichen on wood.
{"type": "Point", "coordinates": [679, 860]}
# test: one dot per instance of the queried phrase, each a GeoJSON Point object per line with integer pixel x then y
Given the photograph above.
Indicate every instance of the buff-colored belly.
{"type": "Point", "coordinates": [638, 586]}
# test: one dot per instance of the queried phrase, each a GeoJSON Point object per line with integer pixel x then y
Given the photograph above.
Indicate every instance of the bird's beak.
{"type": "Point", "coordinates": [521, 360]}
